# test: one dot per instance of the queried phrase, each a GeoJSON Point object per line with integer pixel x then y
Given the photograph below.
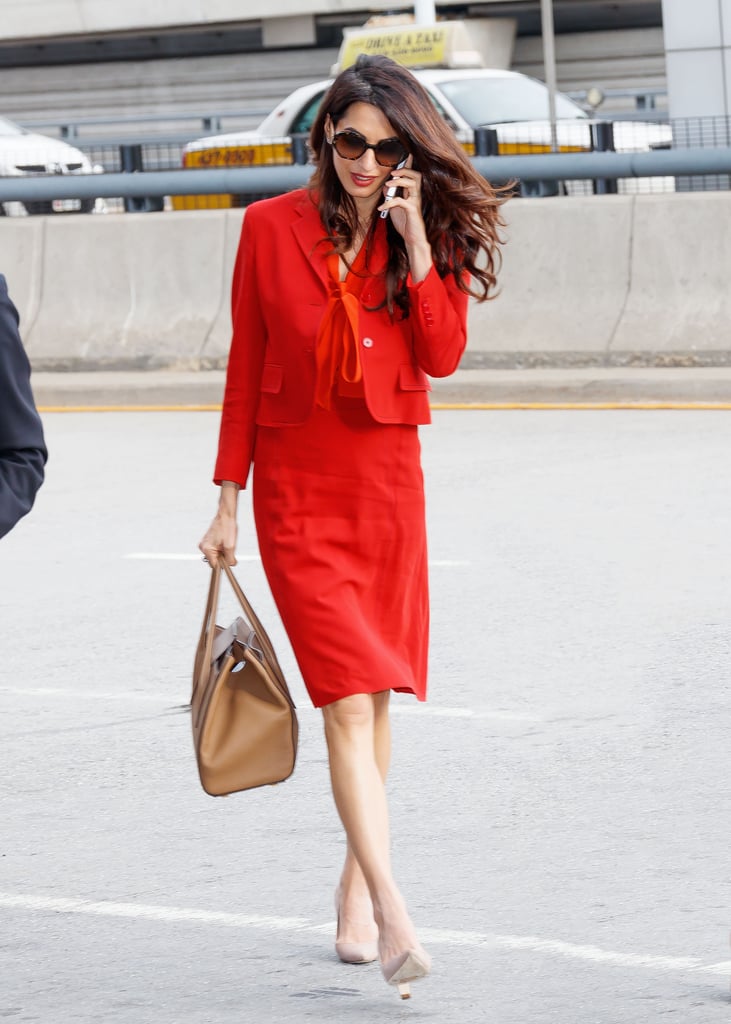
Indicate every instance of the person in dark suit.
{"type": "Point", "coordinates": [23, 451]}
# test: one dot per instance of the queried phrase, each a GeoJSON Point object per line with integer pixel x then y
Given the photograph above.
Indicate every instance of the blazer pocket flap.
{"type": "Point", "coordinates": [411, 378]}
{"type": "Point", "coordinates": [271, 378]}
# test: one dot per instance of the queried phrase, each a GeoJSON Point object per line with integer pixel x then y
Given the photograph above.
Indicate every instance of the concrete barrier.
{"type": "Point", "coordinates": [596, 281]}
{"type": "Point", "coordinates": [21, 256]}
{"type": "Point", "coordinates": [214, 350]}
{"type": "Point", "coordinates": [563, 283]}
{"type": "Point", "coordinates": [86, 294]}
{"type": "Point", "coordinates": [132, 291]}
{"type": "Point", "coordinates": [680, 300]}
{"type": "Point", "coordinates": [612, 281]}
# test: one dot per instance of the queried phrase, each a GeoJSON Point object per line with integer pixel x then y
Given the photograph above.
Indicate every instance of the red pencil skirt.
{"type": "Point", "coordinates": [339, 510]}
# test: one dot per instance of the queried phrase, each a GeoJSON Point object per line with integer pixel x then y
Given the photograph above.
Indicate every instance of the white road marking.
{"type": "Point", "coordinates": [151, 913]}
{"type": "Point", "coordinates": [433, 710]}
{"type": "Point", "coordinates": [525, 943]}
{"type": "Point", "coordinates": [187, 556]}
{"type": "Point", "coordinates": [47, 691]}
{"type": "Point", "coordinates": [429, 710]}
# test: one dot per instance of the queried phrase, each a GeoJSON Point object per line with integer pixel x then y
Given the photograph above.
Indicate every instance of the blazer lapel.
{"type": "Point", "coordinates": [309, 233]}
{"type": "Point", "coordinates": [374, 291]}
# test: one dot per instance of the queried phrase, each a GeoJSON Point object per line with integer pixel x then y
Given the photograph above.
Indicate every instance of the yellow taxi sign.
{"type": "Point", "coordinates": [445, 44]}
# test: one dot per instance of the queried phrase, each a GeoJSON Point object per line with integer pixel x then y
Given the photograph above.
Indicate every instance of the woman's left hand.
{"type": "Point", "coordinates": [406, 216]}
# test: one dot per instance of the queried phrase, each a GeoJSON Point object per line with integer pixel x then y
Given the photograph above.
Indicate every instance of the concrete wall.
{"type": "Point", "coordinates": [215, 84]}
{"type": "Point", "coordinates": [235, 82]}
{"type": "Point", "coordinates": [698, 44]}
{"type": "Point", "coordinates": [609, 280]}
{"type": "Point", "coordinates": [133, 290]}
{"type": "Point", "coordinates": [618, 59]}
{"type": "Point", "coordinates": [615, 280]}
{"type": "Point", "coordinates": [23, 19]}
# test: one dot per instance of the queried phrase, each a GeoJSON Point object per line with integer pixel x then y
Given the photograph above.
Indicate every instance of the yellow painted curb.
{"type": "Point", "coordinates": [583, 405]}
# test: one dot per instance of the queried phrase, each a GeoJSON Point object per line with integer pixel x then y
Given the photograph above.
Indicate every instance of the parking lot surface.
{"type": "Point", "coordinates": [560, 807]}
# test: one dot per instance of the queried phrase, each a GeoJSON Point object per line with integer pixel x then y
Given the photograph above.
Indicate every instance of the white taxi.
{"type": "Point", "coordinates": [513, 104]}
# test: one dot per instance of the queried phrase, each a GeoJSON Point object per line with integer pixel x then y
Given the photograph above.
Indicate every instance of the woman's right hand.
{"type": "Point", "coordinates": [220, 537]}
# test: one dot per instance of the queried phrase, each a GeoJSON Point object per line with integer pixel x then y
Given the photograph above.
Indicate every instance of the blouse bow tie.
{"type": "Point", "coordinates": [337, 352]}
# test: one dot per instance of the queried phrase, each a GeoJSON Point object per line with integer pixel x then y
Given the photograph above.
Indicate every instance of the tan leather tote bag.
{"type": "Point", "coordinates": [244, 720]}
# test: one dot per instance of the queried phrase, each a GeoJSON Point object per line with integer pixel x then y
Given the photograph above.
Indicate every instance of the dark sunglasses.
{"type": "Point", "coordinates": [351, 145]}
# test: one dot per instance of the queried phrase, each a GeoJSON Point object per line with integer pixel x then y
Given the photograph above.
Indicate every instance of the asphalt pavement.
{"type": "Point", "coordinates": [560, 806]}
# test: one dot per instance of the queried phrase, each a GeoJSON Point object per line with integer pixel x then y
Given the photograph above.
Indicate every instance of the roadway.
{"type": "Point", "coordinates": [560, 806]}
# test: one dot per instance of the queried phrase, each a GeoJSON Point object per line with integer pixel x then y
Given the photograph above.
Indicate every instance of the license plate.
{"type": "Point", "coordinates": [233, 156]}
{"type": "Point", "coordinates": [66, 205]}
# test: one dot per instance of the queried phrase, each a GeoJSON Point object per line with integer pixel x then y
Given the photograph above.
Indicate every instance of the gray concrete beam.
{"type": "Point", "coordinates": [553, 166]}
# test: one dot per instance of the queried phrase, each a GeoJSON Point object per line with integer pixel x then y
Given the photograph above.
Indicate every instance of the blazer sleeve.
{"type": "Point", "coordinates": [438, 314]}
{"type": "Point", "coordinates": [22, 447]}
{"type": "Point", "coordinates": [245, 364]}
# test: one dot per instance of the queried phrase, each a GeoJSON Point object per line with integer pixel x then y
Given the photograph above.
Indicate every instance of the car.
{"type": "Point", "coordinates": [25, 153]}
{"type": "Point", "coordinates": [514, 105]}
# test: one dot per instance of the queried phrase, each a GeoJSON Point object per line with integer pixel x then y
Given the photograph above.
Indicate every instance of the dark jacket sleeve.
{"type": "Point", "coordinates": [22, 448]}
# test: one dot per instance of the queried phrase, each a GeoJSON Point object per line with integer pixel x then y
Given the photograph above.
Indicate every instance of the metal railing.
{"type": "Point", "coordinates": [264, 180]}
{"type": "Point", "coordinates": [209, 123]}
{"type": "Point", "coordinates": [679, 156]}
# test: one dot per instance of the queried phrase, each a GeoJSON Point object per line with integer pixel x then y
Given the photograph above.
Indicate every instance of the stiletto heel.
{"type": "Point", "coordinates": [406, 967]}
{"type": "Point", "coordinates": [353, 952]}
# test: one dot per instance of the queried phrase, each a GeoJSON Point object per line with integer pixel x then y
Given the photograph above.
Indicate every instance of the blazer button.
{"type": "Point", "coordinates": [367, 342]}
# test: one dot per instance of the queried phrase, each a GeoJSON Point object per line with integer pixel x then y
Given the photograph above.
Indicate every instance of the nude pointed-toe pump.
{"type": "Point", "coordinates": [408, 966]}
{"type": "Point", "coordinates": [353, 952]}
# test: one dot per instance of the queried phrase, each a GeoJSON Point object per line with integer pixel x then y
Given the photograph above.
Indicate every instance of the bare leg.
{"type": "Point", "coordinates": [360, 798]}
{"type": "Point", "coordinates": [356, 908]}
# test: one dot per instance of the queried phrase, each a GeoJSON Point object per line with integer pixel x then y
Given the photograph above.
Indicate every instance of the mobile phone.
{"type": "Point", "coordinates": [391, 192]}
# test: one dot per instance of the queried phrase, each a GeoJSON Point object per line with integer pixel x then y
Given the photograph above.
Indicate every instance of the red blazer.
{"type": "Point", "coordinates": [280, 292]}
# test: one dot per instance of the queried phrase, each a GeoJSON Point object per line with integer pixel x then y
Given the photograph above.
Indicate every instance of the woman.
{"type": "Point", "coordinates": [345, 295]}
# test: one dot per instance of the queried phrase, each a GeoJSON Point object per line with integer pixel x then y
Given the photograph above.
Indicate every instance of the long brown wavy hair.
{"type": "Point", "coordinates": [461, 209]}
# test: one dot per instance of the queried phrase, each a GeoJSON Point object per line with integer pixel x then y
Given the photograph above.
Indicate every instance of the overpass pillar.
{"type": "Point", "coordinates": [698, 57]}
